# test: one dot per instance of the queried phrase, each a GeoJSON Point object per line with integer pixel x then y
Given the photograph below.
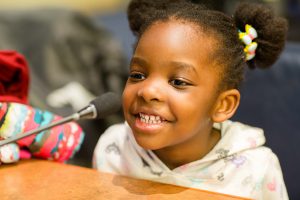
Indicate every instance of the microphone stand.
{"type": "Point", "coordinates": [88, 112]}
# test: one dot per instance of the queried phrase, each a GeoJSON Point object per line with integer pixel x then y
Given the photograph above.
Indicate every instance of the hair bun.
{"type": "Point", "coordinates": [140, 11]}
{"type": "Point", "coordinates": [271, 31]}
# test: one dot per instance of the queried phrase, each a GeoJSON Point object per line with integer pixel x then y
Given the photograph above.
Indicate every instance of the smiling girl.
{"type": "Point", "coordinates": [182, 89]}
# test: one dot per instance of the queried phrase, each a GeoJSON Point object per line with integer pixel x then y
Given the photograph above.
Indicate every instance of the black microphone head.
{"type": "Point", "coordinates": [106, 104]}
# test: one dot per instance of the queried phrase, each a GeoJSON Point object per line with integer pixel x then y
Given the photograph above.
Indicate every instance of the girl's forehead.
{"type": "Point", "coordinates": [176, 27]}
{"type": "Point", "coordinates": [176, 38]}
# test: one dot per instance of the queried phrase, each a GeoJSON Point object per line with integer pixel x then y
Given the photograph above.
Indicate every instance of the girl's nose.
{"type": "Point", "coordinates": [152, 91]}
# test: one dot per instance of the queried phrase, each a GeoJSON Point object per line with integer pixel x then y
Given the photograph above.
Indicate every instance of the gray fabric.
{"type": "Point", "coordinates": [62, 46]}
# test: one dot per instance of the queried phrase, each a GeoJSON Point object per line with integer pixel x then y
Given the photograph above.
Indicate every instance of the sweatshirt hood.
{"type": "Point", "coordinates": [235, 138]}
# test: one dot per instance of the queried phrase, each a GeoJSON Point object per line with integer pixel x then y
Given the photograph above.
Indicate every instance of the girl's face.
{"type": "Point", "coordinates": [172, 87]}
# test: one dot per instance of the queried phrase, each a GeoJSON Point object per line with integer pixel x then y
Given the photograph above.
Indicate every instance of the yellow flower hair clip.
{"type": "Point", "coordinates": [247, 38]}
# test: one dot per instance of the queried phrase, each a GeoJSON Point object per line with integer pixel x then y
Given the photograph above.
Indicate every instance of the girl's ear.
{"type": "Point", "coordinates": [226, 105]}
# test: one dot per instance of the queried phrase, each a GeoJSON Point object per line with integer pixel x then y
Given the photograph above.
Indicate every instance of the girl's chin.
{"type": "Point", "coordinates": [147, 144]}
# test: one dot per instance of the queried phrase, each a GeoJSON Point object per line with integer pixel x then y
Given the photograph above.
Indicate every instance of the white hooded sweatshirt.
{"type": "Point", "coordinates": [238, 164]}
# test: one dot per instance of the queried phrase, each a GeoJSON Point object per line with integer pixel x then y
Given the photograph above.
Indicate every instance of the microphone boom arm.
{"type": "Point", "coordinates": [88, 112]}
{"type": "Point", "coordinates": [38, 130]}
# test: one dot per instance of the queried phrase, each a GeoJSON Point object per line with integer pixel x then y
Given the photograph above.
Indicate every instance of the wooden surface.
{"type": "Point", "coordinates": [37, 179]}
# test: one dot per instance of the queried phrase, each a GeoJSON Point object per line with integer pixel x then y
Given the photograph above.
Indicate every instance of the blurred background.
{"type": "Point", "coordinates": [78, 50]}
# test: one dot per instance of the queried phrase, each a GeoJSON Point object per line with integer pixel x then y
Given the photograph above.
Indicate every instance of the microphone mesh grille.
{"type": "Point", "coordinates": [106, 104]}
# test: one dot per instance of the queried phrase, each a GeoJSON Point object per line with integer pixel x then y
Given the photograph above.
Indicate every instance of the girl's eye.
{"type": "Point", "coordinates": [179, 83]}
{"type": "Point", "coordinates": [136, 76]}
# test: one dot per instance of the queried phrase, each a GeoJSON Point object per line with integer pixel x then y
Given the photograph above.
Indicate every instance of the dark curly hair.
{"type": "Point", "coordinates": [229, 51]}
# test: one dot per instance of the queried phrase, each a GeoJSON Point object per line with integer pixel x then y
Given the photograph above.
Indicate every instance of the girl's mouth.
{"type": "Point", "coordinates": [149, 123]}
{"type": "Point", "coordinates": [150, 119]}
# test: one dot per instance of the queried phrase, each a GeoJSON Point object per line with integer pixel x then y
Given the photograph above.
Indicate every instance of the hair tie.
{"type": "Point", "coordinates": [247, 38]}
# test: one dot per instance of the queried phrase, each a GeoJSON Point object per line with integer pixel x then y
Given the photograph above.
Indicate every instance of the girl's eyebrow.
{"type": "Point", "coordinates": [177, 65]}
{"type": "Point", "coordinates": [183, 66]}
{"type": "Point", "coordinates": [138, 61]}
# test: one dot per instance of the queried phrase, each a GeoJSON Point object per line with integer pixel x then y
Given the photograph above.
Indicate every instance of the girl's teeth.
{"type": "Point", "coordinates": [150, 119]}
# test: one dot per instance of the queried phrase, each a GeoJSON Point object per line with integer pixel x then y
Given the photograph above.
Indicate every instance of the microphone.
{"type": "Point", "coordinates": [98, 108]}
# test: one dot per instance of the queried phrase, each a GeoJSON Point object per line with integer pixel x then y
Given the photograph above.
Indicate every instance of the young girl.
{"type": "Point", "coordinates": [183, 85]}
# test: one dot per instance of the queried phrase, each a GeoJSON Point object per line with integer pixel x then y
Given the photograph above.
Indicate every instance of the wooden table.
{"type": "Point", "coordinates": [43, 180]}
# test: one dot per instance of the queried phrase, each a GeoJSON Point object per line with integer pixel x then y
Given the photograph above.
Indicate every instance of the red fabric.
{"type": "Point", "coordinates": [14, 77]}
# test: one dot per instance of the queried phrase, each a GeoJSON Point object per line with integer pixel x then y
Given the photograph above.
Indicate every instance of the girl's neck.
{"type": "Point", "coordinates": [195, 149]}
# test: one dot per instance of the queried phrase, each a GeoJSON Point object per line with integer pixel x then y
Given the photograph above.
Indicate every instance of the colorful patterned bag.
{"type": "Point", "coordinates": [59, 143]}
